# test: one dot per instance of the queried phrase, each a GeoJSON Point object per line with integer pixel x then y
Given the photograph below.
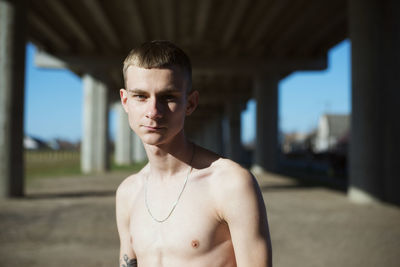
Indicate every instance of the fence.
{"type": "Point", "coordinates": [51, 156]}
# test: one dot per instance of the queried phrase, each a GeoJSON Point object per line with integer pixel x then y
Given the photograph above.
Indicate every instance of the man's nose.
{"type": "Point", "coordinates": [154, 109]}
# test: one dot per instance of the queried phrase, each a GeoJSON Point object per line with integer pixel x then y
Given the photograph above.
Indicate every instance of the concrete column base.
{"type": "Point", "coordinates": [257, 170]}
{"type": "Point", "coordinates": [361, 197]}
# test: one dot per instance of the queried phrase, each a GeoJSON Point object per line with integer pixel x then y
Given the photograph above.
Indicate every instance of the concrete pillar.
{"type": "Point", "coordinates": [124, 140]}
{"type": "Point", "coordinates": [94, 148]}
{"type": "Point", "coordinates": [12, 73]}
{"type": "Point", "coordinates": [234, 147]}
{"type": "Point", "coordinates": [198, 137]}
{"type": "Point", "coordinates": [374, 158]}
{"type": "Point", "coordinates": [139, 154]}
{"type": "Point", "coordinates": [202, 135]}
{"type": "Point", "coordinates": [213, 135]}
{"type": "Point", "coordinates": [194, 136]}
{"type": "Point", "coordinates": [266, 145]}
{"type": "Point", "coordinates": [217, 136]}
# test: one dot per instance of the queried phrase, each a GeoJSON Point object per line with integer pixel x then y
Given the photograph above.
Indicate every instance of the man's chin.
{"type": "Point", "coordinates": [152, 140]}
{"type": "Point", "coordinates": [157, 138]}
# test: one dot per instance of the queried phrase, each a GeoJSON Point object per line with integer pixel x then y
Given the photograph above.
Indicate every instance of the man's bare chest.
{"type": "Point", "coordinates": [192, 229]}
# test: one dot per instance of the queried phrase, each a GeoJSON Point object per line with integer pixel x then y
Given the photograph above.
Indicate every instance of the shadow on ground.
{"type": "Point", "coordinates": [83, 194]}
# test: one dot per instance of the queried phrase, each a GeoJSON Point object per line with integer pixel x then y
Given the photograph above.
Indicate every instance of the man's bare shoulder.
{"type": "Point", "coordinates": [225, 175]}
{"type": "Point", "coordinates": [230, 175]}
{"type": "Point", "coordinates": [131, 185]}
{"type": "Point", "coordinates": [231, 186]}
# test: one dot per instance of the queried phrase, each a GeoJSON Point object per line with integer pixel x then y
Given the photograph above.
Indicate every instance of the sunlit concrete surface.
{"type": "Point", "coordinates": [316, 226]}
{"type": "Point", "coordinates": [70, 222]}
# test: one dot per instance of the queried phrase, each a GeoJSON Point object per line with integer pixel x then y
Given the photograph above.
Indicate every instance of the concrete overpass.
{"type": "Point", "coordinates": [239, 50]}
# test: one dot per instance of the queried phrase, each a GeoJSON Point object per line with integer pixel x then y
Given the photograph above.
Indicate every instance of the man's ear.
{"type": "Point", "coordinates": [124, 98]}
{"type": "Point", "coordinates": [192, 102]}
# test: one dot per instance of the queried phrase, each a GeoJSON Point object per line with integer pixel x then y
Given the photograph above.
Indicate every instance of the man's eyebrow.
{"type": "Point", "coordinates": [137, 91]}
{"type": "Point", "coordinates": [171, 90]}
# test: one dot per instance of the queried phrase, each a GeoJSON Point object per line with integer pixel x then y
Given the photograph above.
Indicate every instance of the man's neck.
{"type": "Point", "coordinates": [168, 159]}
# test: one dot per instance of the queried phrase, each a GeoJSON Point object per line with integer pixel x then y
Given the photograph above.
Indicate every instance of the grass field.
{"type": "Point", "coordinates": [52, 164]}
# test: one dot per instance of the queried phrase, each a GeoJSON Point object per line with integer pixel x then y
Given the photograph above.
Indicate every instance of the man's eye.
{"type": "Point", "coordinates": [139, 97]}
{"type": "Point", "coordinates": [169, 98]}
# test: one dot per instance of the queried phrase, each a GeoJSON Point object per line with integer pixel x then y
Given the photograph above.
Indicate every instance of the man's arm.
{"type": "Point", "coordinates": [127, 257]}
{"type": "Point", "coordinates": [242, 207]}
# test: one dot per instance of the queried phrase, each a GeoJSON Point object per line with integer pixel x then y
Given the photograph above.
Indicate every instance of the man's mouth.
{"type": "Point", "coordinates": [153, 128]}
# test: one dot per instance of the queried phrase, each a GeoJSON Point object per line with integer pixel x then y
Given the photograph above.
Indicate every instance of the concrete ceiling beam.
{"type": "Point", "coordinates": [45, 60]}
{"type": "Point", "coordinates": [307, 45]}
{"type": "Point", "coordinates": [185, 11]}
{"type": "Point", "coordinates": [244, 66]}
{"type": "Point", "coordinates": [266, 22]}
{"type": "Point", "coordinates": [251, 67]}
{"type": "Point", "coordinates": [152, 18]}
{"type": "Point", "coordinates": [203, 14]}
{"type": "Point", "coordinates": [232, 25]}
{"type": "Point", "coordinates": [134, 19]}
{"type": "Point", "coordinates": [170, 15]}
{"type": "Point", "coordinates": [295, 31]}
{"type": "Point", "coordinates": [71, 23]}
{"type": "Point", "coordinates": [102, 21]}
{"type": "Point", "coordinates": [258, 11]}
{"type": "Point", "coordinates": [48, 32]}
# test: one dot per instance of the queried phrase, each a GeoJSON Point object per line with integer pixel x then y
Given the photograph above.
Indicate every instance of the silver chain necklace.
{"type": "Point", "coordinates": [177, 200]}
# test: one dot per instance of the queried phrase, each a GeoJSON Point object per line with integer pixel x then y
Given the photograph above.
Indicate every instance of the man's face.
{"type": "Point", "coordinates": [156, 103]}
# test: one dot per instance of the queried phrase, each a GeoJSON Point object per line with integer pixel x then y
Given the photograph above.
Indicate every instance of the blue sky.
{"type": "Point", "coordinates": [53, 101]}
{"type": "Point", "coordinates": [53, 98]}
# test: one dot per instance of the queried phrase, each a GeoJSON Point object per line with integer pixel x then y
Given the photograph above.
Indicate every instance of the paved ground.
{"type": "Point", "coordinates": [70, 222]}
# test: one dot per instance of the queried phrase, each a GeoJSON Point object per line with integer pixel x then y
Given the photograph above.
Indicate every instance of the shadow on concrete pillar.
{"type": "Point", "coordinates": [94, 148]}
{"type": "Point", "coordinates": [234, 148]}
{"type": "Point", "coordinates": [196, 136]}
{"type": "Point", "coordinates": [266, 145]}
{"type": "Point", "coordinates": [374, 155]}
{"type": "Point", "coordinates": [211, 135]}
{"type": "Point", "coordinates": [12, 74]}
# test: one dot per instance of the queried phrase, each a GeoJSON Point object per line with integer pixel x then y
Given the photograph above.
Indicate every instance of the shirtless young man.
{"type": "Point", "coordinates": [188, 206]}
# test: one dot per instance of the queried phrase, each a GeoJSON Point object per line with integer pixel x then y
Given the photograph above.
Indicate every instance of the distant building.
{"type": "Point", "coordinates": [33, 143]}
{"type": "Point", "coordinates": [297, 142]}
{"type": "Point", "coordinates": [332, 128]}
{"type": "Point", "coordinates": [60, 144]}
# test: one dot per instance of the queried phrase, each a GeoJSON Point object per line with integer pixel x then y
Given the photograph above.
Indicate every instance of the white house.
{"type": "Point", "coordinates": [33, 143]}
{"type": "Point", "coordinates": [331, 128]}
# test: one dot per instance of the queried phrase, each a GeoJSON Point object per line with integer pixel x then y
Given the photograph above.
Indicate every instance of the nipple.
{"type": "Point", "coordinates": [195, 243]}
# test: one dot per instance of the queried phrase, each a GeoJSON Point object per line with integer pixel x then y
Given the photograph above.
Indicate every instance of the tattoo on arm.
{"type": "Point", "coordinates": [129, 262]}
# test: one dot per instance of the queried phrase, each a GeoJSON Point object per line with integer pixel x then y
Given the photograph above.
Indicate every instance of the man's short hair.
{"type": "Point", "coordinates": [159, 54]}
